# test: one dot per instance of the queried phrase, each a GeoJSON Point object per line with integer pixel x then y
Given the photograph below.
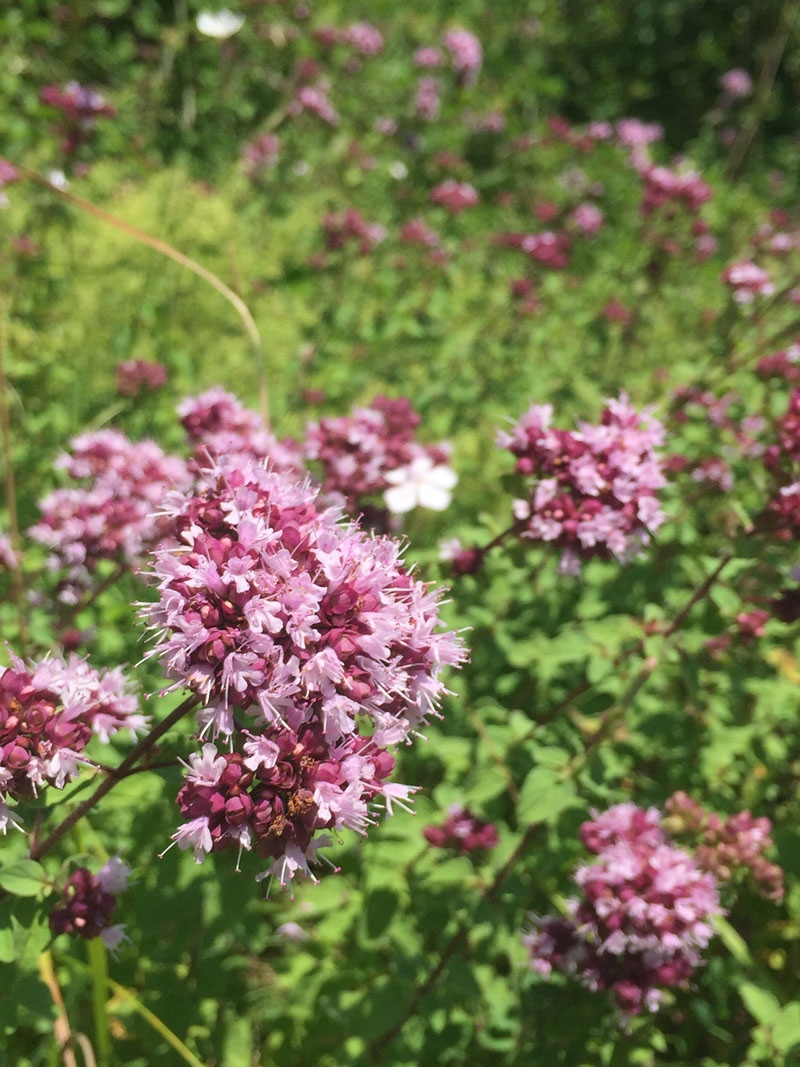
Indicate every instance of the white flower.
{"type": "Point", "coordinates": [219, 24]}
{"type": "Point", "coordinates": [420, 484]}
{"type": "Point", "coordinates": [398, 170]}
{"type": "Point", "coordinates": [113, 875]}
{"type": "Point", "coordinates": [112, 937]}
{"type": "Point", "coordinates": [7, 818]}
{"type": "Point", "coordinates": [58, 179]}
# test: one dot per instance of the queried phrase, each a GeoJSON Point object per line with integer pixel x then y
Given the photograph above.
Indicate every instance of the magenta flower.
{"type": "Point", "coordinates": [8, 557]}
{"type": "Point", "coordinates": [637, 134]}
{"type": "Point", "coordinates": [455, 196]}
{"type": "Point", "coordinates": [664, 187]}
{"type": "Point", "coordinates": [273, 609]}
{"type": "Point", "coordinates": [48, 713]}
{"type": "Point", "coordinates": [261, 154]}
{"type": "Point", "coordinates": [428, 56]}
{"type": "Point", "coordinates": [417, 232]}
{"type": "Point", "coordinates": [727, 846]}
{"type": "Point", "coordinates": [588, 218]}
{"type": "Point", "coordinates": [364, 38]}
{"type": "Point", "coordinates": [595, 488]}
{"type": "Point", "coordinates": [218, 425]}
{"type": "Point", "coordinates": [462, 832]}
{"type": "Point", "coordinates": [89, 900]}
{"type": "Point", "coordinates": [426, 102]}
{"type": "Point", "coordinates": [642, 919]}
{"type": "Point", "coordinates": [747, 281]}
{"type": "Point", "coordinates": [134, 375]}
{"type": "Point", "coordinates": [343, 227]}
{"type": "Point", "coordinates": [314, 98]}
{"type": "Point", "coordinates": [465, 52]}
{"type": "Point", "coordinates": [737, 83]}
{"type": "Point", "coordinates": [115, 516]}
{"type": "Point", "coordinates": [361, 454]}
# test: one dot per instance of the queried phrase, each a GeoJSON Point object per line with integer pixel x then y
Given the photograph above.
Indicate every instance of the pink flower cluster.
{"type": "Point", "coordinates": [417, 232]}
{"type": "Point", "coordinates": [8, 557]}
{"type": "Point", "coordinates": [261, 154]}
{"type": "Point", "coordinates": [736, 83]}
{"type": "Point", "coordinates": [88, 902]}
{"type": "Point", "coordinates": [664, 187]}
{"type": "Point", "coordinates": [358, 451]}
{"type": "Point", "coordinates": [364, 38]}
{"type": "Point", "coordinates": [314, 98]}
{"type": "Point", "coordinates": [462, 832]}
{"type": "Point", "coordinates": [345, 226]}
{"type": "Point", "coordinates": [551, 248]}
{"type": "Point", "coordinates": [115, 516]}
{"type": "Point", "coordinates": [454, 196]}
{"type": "Point", "coordinates": [426, 102]}
{"type": "Point", "coordinates": [727, 846]}
{"type": "Point", "coordinates": [465, 52]}
{"type": "Point", "coordinates": [48, 713]}
{"type": "Point", "coordinates": [595, 489]}
{"type": "Point", "coordinates": [218, 425]}
{"type": "Point", "coordinates": [8, 173]}
{"type": "Point", "coordinates": [428, 56]}
{"type": "Point", "coordinates": [747, 281]}
{"type": "Point", "coordinates": [80, 108]}
{"type": "Point", "coordinates": [273, 609]}
{"type": "Point", "coordinates": [642, 919]}
{"type": "Point", "coordinates": [782, 459]}
{"type": "Point", "coordinates": [587, 217]}
{"type": "Point", "coordinates": [637, 134]}
{"type": "Point", "coordinates": [76, 102]}
{"type": "Point", "coordinates": [134, 375]}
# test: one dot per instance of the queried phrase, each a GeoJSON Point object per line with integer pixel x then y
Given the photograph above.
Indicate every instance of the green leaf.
{"type": "Point", "coordinates": [23, 878]}
{"type": "Point", "coordinates": [732, 941]}
{"type": "Point", "coordinates": [543, 796]}
{"type": "Point", "coordinates": [786, 1030]}
{"type": "Point", "coordinates": [761, 1004]}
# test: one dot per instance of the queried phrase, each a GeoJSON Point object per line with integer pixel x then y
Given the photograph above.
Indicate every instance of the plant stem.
{"type": "Point", "coordinates": [10, 492]}
{"type": "Point", "coordinates": [86, 603]}
{"type": "Point", "coordinates": [108, 784]}
{"type": "Point", "coordinates": [766, 79]}
{"type": "Point", "coordinates": [61, 1027]}
{"type": "Point", "coordinates": [452, 946]}
{"type": "Point", "coordinates": [611, 716]}
{"type": "Point", "coordinates": [98, 964]}
{"type": "Point", "coordinates": [699, 594]}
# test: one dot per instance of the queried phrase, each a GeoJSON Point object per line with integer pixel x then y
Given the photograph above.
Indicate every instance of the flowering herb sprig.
{"type": "Point", "coordinates": [313, 651]}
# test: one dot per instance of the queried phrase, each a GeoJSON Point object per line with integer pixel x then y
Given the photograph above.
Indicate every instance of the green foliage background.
{"type": "Point", "coordinates": [208, 958]}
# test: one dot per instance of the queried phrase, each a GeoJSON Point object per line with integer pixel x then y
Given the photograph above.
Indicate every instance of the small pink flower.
{"type": "Point", "coordinates": [737, 83]}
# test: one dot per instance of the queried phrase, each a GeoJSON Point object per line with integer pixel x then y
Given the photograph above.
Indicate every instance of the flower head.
{"type": "Point", "coordinates": [312, 650]}
{"type": "Point", "coordinates": [89, 900]}
{"type": "Point", "coordinates": [642, 917]}
{"type": "Point", "coordinates": [219, 24]}
{"type": "Point", "coordinates": [48, 713]}
{"type": "Point", "coordinates": [594, 489]}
